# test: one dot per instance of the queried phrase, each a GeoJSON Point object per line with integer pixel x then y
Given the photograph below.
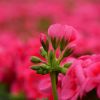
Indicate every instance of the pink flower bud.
{"type": "Point", "coordinates": [60, 31]}
{"type": "Point", "coordinates": [44, 42]}
{"type": "Point", "coordinates": [62, 34]}
{"type": "Point", "coordinates": [56, 31]}
{"type": "Point", "coordinates": [43, 38]}
{"type": "Point", "coordinates": [70, 33]}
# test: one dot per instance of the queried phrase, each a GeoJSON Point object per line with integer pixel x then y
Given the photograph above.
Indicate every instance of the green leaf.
{"type": "Point", "coordinates": [4, 94]}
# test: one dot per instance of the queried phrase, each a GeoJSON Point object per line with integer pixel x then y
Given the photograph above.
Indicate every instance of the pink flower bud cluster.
{"type": "Point", "coordinates": [60, 38]}
{"type": "Point", "coordinates": [62, 31]}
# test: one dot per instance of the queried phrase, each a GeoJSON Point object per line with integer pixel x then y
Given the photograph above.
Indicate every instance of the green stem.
{"type": "Point", "coordinates": [54, 88]}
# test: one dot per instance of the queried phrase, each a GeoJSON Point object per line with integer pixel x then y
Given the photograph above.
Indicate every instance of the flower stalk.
{"type": "Point", "coordinates": [54, 86]}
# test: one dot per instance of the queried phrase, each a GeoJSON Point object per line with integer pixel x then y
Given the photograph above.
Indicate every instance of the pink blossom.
{"type": "Point", "coordinates": [70, 33]}
{"type": "Point", "coordinates": [59, 31]}
{"type": "Point", "coordinates": [82, 77]}
{"type": "Point", "coordinates": [56, 31]}
{"type": "Point", "coordinates": [72, 82]}
{"type": "Point", "coordinates": [45, 86]}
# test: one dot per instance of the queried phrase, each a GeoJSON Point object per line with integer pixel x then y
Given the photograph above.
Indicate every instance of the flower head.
{"type": "Point", "coordinates": [62, 34]}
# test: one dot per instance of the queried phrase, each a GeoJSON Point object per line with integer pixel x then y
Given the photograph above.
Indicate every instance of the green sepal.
{"type": "Point", "coordinates": [67, 52]}
{"type": "Point", "coordinates": [35, 59]}
{"type": "Point", "coordinates": [45, 45]}
{"type": "Point", "coordinates": [55, 42]}
{"type": "Point", "coordinates": [63, 44]}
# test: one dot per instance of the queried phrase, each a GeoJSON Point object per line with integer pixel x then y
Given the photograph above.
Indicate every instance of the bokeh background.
{"type": "Point", "coordinates": [21, 22]}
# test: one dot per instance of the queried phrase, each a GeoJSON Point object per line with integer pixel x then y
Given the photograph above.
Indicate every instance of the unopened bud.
{"type": "Point", "coordinates": [55, 32]}
{"type": "Point", "coordinates": [44, 41]}
{"type": "Point", "coordinates": [45, 67]}
{"type": "Point", "coordinates": [70, 33]}
{"type": "Point", "coordinates": [35, 67]}
{"type": "Point", "coordinates": [43, 52]}
{"type": "Point", "coordinates": [40, 71]}
{"type": "Point", "coordinates": [45, 72]}
{"type": "Point", "coordinates": [35, 59]}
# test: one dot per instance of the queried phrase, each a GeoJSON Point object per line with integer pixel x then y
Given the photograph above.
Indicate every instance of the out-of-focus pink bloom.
{"type": "Point", "coordinates": [10, 48]}
{"type": "Point", "coordinates": [8, 12]}
{"type": "Point", "coordinates": [72, 82]}
{"type": "Point", "coordinates": [16, 88]}
{"type": "Point", "coordinates": [82, 77]}
{"type": "Point", "coordinates": [45, 86]}
{"type": "Point", "coordinates": [93, 76]}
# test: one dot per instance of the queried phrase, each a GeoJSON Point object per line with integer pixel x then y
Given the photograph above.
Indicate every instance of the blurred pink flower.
{"type": "Point", "coordinates": [10, 48]}
{"type": "Point", "coordinates": [81, 78]}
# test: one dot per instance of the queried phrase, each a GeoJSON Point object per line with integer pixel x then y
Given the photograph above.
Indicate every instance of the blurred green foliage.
{"type": "Point", "coordinates": [5, 95]}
